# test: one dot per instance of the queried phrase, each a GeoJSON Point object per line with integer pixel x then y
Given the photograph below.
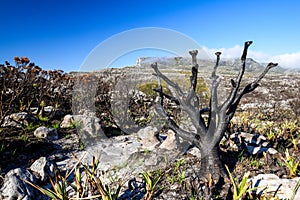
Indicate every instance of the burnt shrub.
{"type": "Point", "coordinates": [26, 87]}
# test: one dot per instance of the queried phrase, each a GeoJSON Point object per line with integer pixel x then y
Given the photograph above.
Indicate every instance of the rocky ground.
{"type": "Point", "coordinates": [262, 139]}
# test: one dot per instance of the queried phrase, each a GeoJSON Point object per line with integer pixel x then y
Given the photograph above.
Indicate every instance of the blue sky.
{"type": "Point", "coordinates": [61, 34]}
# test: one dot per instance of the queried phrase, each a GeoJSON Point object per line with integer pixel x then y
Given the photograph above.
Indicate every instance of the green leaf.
{"type": "Point", "coordinates": [243, 186]}
{"type": "Point", "coordinates": [235, 195]}
{"type": "Point", "coordinates": [50, 193]}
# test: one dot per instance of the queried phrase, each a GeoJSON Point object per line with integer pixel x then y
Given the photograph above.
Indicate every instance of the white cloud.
{"type": "Point", "coordinates": [291, 60]}
{"type": "Point", "coordinates": [227, 53]}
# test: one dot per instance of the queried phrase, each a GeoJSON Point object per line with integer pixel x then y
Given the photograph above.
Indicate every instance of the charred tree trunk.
{"type": "Point", "coordinates": [211, 164]}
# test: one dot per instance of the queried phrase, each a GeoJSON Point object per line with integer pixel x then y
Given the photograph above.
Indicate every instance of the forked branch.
{"type": "Point", "coordinates": [247, 89]}
{"type": "Point", "coordinates": [236, 84]}
{"type": "Point", "coordinates": [189, 103]}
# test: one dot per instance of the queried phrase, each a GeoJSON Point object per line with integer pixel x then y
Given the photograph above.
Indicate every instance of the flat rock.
{"type": "Point", "coordinates": [129, 154]}
{"type": "Point", "coordinates": [270, 185]}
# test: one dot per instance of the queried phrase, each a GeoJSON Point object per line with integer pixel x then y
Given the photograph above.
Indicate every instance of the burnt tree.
{"type": "Point", "coordinates": [208, 133]}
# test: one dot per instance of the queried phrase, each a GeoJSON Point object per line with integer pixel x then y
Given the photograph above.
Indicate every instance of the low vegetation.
{"type": "Point", "coordinates": [28, 88]}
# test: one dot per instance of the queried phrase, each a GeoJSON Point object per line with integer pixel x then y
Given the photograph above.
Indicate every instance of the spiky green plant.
{"type": "Point", "coordinates": [291, 162]}
{"type": "Point", "coordinates": [242, 188]}
{"type": "Point", "coordinates": [106, 192]}
{"type": "Point", "coordinates": [151, 183]}
{"type": "Point", "coordinates": [60, 184]}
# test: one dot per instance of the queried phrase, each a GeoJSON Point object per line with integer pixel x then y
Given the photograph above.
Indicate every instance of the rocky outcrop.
{"type": "Point", "coordinates": [15, 185]}
{"type": "Point", "coordinates": [127, 151]}
{"type": "Point", "coordinates": [125, 156]}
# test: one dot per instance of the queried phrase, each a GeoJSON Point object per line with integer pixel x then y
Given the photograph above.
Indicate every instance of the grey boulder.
{"type": "Point", "coordinates": [47, 133]}
{"type": "Point", "coordinates": [14, 188]}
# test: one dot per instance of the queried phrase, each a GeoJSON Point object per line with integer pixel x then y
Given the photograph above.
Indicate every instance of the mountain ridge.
{"type": "Point", "coordinates": [225, 64]}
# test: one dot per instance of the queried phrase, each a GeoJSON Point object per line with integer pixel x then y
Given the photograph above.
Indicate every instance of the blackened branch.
{"type": "Point", "coordinates": [269, 66]}
{"type": "Point", "coordinates": [188, 136]}
{"type": "Point", "coordinates": [194, 77]}
{"type": "Point", "coordinates": [192, 100]}
{"type": "Point", "coordinates": [191, 108]}
{"type": "Point", "coordinates": [247, 89]}
{"type": "Point", "coordinates": [195, 67]}
{"type": "Point", "coordinates": [247, 44]}
{"type": "Point", "coordinates": [217, 63]}
{"type": "Point", "coordinates": [237, 84]}
{"type": "Point", "coordinates": [171, 98]}
{"type": "Point", "coordinates": [170, 123]}
{"type": "Point", "coordinates": [168, 81]}
{"type": "Point", "coordinates": [232, 83]}
{"type": "Point", "coordinates": [194, 53]}
{"type": "Point", "coordinates": [213, 104]}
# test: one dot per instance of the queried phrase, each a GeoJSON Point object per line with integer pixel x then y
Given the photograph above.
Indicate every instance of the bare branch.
{"type": "Point", "coordinates": [213, 104]}
{"type": "Point", "coordinates": [192, 109]}
{"type": "Point", "coordinates": [195, 67]}
{"type": "Point", "coordinates": [166, 95]}
{"type": "Point", "coordinates": [234, 90]}
{"type": "Point", "coordinates": [188, 136]}
{"type": "Point", "coordinates": [247, 44]}
{"type": "Point", "coordinates": [217, 63]}
{"type": "Point", "coordinates": [269, 66]}
{"type": "Point", "coordinates": [168, 81]}
{"type": "Point", "coordinates": [192, 137]}
{"type": "Point", "coordinates": [247, 89]}
{"type": "Point", "coordinates": [191, 105]}
{"type": "Point", "coordinates": [194, 76]}
{"type": "Point", "coordinates": [194, 53]}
